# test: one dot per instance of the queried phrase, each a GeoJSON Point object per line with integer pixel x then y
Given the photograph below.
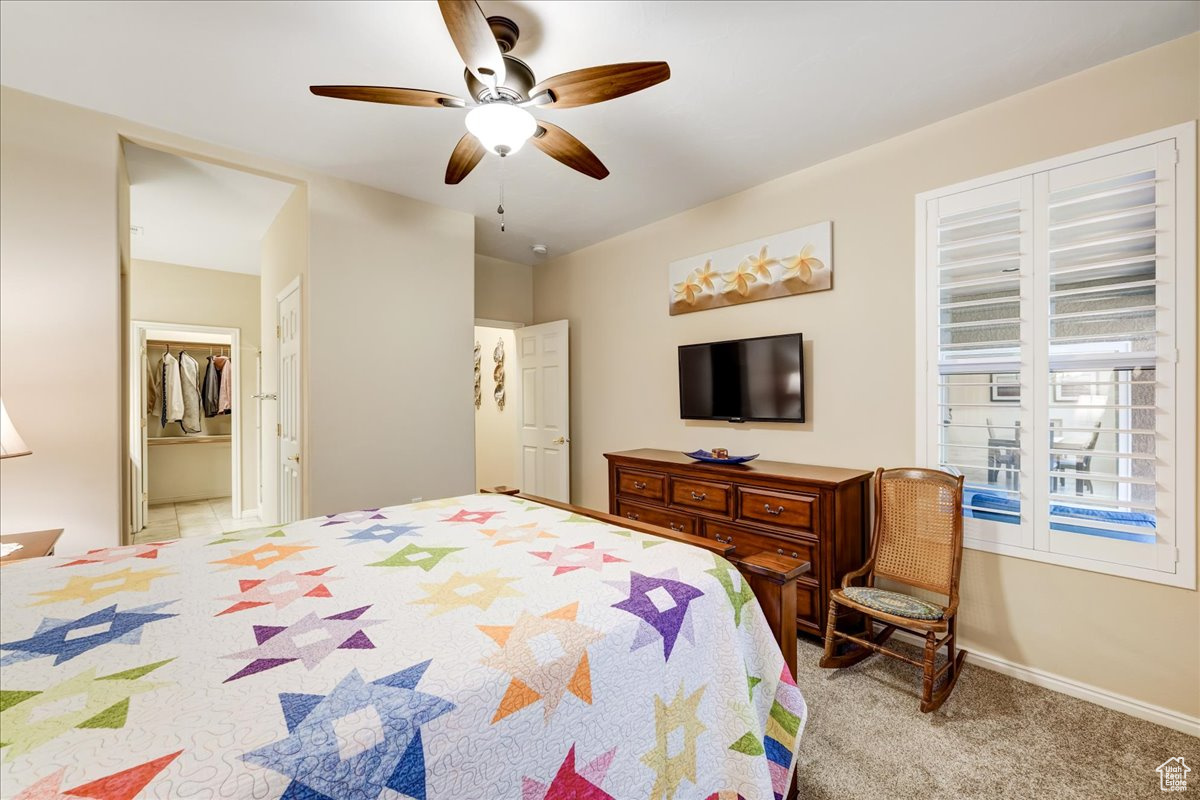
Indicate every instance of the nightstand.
{"type": "Point", "coordinates": [35, 544]}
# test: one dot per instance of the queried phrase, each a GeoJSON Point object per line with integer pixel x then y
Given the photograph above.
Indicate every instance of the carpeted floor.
{"type": "Point", "coordinates": [995, 738]}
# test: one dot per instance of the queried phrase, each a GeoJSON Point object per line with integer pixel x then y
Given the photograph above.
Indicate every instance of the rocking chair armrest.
{"type": "Point", "coordinates": [858, 573]}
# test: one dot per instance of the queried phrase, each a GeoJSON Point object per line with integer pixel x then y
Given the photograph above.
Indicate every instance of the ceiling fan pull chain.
{"type": "Point", "coordinates": [500, 207]}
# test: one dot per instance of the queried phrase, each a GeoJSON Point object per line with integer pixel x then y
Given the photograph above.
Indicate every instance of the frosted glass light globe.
{"type": "Point", "coordinates": [501, 127]}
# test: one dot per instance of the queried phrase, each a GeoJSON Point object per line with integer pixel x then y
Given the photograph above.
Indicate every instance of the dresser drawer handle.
{"type": "Point", "coordinates": [794, 553]}
{"type": "Point", "coordinates": [699, 496]}
{"type": "Point", "coordinates": [633, 516]}
{"type": "Point", "coordinates": [723, 539]}
{"type": "Point", "coordinates": [774, 512]}
{"type": "Point", "coordinates": [639, 484]}
{"type": "Point", "coordinates": [675, 527]}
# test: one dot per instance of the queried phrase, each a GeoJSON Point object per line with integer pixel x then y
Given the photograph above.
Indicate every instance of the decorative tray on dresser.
{"type": "Point", "coordinates": [811, 513]}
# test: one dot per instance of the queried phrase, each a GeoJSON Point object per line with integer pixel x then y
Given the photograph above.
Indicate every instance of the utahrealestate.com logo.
{"type": "Point", "coordinates": [1172, 775]}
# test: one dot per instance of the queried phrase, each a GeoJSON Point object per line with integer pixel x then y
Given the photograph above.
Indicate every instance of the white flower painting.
{"type": "Point", "coordinates": [796, 262]}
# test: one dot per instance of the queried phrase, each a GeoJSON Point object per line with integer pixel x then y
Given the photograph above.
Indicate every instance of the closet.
{"type": "Point", "coordinates": [212, 427]}
{"type": "Point", "coordinates": [189, 454]}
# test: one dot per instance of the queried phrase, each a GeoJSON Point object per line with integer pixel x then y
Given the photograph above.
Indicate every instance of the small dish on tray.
{"type": "Point", "coordinates": [707, 457]}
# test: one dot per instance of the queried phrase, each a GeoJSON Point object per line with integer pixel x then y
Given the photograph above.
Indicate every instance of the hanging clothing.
{"type": "Point", "coordinates": [225, 391]}
{"type": "Point", "coordinates": [172, 389]}
{"type": "Point", "coordinates": [154, 394]}
{"type": "Point", "coordinates": [189, 372]}
{"type": "Point", "coordinates": [210, 389]}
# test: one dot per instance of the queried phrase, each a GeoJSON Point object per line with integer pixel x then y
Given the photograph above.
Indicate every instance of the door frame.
{"type": "Point", "coordinates": [137, 402]}
{"type": "Point", "coordinates": [296, 284]}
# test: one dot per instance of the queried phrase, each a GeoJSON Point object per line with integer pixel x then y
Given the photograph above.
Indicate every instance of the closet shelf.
{"type": "Point", "coordinates": [160, 440]}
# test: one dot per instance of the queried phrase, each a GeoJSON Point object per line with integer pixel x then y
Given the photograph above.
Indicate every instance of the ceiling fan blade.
{"type": "Point", "coordinates": [597, 84]}
{"type": "Point", "coordinates": [466, 155]}
{"type": "Point", "coordinates": [474, 39]}
{"type": "Point", "coordinates": [562, 146]}
{"type": "Point", "coordinates": [391, 94]}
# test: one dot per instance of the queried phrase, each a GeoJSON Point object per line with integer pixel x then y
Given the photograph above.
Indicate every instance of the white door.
{"type": "Point", "coordinates": [544, 438]}
{"type": "Point", "coordinates": [289, 429]}
{"type": "Point", "coordinates": [139, 491]}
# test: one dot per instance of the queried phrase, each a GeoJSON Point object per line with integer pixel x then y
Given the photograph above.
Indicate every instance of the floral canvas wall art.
{"type": "Point", "coordinates": [796, 262]}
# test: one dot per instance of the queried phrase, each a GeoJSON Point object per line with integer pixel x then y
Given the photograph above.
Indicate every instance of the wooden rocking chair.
{"type": "Point", "coordinates": [917, 541]}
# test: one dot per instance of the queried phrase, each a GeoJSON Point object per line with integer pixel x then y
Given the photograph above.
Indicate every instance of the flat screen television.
{"type": "Point", "coordinates": [743, 380]}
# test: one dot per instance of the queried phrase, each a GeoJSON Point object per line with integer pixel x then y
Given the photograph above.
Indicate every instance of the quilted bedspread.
{"type": "Point", "coordinates": [475, 647]}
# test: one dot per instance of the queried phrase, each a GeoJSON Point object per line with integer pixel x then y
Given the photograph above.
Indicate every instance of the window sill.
{"type": "Point", "coordinates": [1184, 577]}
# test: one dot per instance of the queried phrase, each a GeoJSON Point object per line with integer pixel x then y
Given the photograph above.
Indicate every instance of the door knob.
{"type": "Point", "coordinates": [295, 458]}
{"type": "Point", "coordinates": [560, 440]}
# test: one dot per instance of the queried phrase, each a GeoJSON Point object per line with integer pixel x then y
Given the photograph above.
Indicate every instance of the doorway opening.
{"type": "Point", "coordinates": [185, 461]}
{"type": "Point", "coordinates": [497, 398]}
{"type": "Point", "coordinates": [203, 362]}
{"type": "Point", "coordinates": [522, 410]}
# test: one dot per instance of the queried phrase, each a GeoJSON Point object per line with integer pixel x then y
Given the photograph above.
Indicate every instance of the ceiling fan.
{"type": "Point", "coordinates": [503, 89]}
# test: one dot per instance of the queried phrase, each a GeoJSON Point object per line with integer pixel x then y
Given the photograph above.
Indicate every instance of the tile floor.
{"type": "Point", "coordinates": [193, 518]}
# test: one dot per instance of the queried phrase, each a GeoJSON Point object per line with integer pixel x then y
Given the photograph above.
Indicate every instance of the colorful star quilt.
{"type": "Point", "coordinates": [469, 648]}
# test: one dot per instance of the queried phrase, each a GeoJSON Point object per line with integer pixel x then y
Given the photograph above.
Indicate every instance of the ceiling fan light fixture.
{"type": "Point", "coordinates": [501, 127]}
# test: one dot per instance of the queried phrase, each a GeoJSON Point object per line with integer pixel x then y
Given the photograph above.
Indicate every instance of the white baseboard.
{"type": "Point", "coordinates": [1056, 683]}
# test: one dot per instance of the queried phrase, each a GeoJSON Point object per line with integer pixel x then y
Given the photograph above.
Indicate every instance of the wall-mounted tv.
{"type": "Point", "coordinates": [743, 380]}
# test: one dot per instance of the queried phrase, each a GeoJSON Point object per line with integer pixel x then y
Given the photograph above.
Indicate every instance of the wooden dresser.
{"type": "Point", "coordinates": [811, 513]}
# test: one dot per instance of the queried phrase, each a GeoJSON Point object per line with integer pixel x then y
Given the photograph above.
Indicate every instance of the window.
{"type": "Point", "coordinates": [1057, 325]}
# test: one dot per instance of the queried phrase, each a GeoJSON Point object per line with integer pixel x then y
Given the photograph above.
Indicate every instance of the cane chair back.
{"type": "Point", "coordinates": [918, 528]}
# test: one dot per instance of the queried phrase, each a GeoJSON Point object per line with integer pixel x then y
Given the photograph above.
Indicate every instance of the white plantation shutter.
{"type": "Point", "coordinates": [981, 292]}
{"type": "Point", "coordinates": [1058, 328]}
{"type": "Point", "coordinates": [1106, 263]}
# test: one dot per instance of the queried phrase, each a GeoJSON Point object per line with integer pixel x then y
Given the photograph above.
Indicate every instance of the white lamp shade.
{"type": "Point", "coordinates": [11, 443]}
{"type": "Point", "coordinates": [501, 127]}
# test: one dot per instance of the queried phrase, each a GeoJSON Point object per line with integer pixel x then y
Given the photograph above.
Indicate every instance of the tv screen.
{"type": "Point", "coordinates": [745, 379]}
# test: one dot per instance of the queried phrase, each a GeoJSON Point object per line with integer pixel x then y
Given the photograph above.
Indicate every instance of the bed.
{"type": "Point", "coordinates": [483, 646]}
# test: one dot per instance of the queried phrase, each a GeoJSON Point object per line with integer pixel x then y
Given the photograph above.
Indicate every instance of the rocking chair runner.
{"type": "Point", "coordinates": [917, 541]}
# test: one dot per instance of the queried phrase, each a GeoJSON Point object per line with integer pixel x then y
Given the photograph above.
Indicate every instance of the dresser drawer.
{"type": "Point", "coordinates": [701, 495]}
{"type": "Point", "coordinates": [781, 509]}
{"type": "Point", "coordinates": [635, 483]}
{"type": "Point", "coordinates": [662, 517]}
{"type": "Point", "coordinates": [751, 542]}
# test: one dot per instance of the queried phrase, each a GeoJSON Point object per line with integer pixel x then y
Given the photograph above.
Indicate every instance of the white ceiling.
{"type": "Point", "coordinates": [757, 89]}
{"type": "Point", "coordinates": [199, 214]}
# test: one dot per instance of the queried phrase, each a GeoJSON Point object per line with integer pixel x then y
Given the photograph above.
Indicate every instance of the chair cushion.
{"type": "Point", "coordinates": [901, 605]}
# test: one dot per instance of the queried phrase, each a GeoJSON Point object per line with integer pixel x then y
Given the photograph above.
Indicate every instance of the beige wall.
{"type": "Point", "coordinates": [284, 259]}
{"type": "Point", "coordinates": [496, 429]}
{"type": "Point", "coordinates": [503, 290]}
{"type": "Point", "coordinates": [391, 313]}
{"type": "Point", "coordinates": [60, 287]}
{"type": "Point", "coordinates": [179, 473]}
{"type": "Point", "coordinates": [1132, 638]}
{"type": "Point", "coordinates": [60, 293]}
{"type": "Point", "coordinates": [171, 293]}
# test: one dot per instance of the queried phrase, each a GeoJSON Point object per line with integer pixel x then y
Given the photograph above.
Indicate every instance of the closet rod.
{"type": "Point", "coordinates": [188, 345]}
